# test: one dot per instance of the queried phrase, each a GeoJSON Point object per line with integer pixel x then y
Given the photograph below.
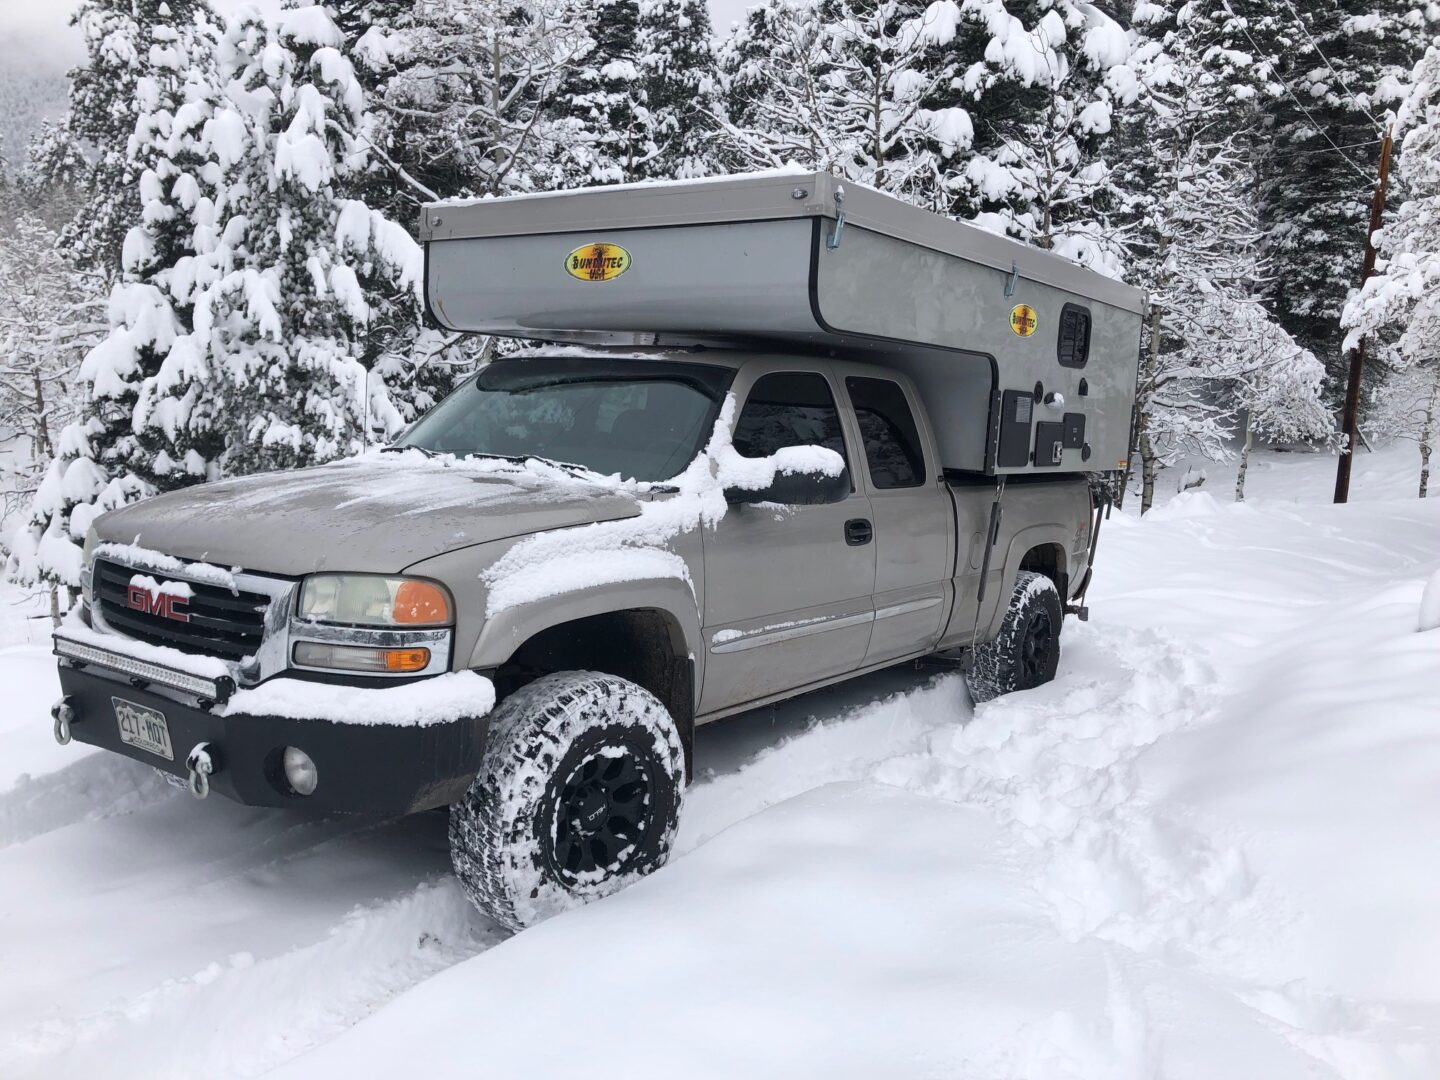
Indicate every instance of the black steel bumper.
{"type": "Point", "coordinates": [363, 768]}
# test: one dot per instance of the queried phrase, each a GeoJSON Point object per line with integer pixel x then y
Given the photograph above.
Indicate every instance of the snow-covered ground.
{"type": "Point", "coordinates": [1209, 849]}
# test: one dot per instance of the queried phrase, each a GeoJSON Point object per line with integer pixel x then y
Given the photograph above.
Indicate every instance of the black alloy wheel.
{"type": "Point", "coordinates": [1036, 664]}
{"type": "Point", "coordinates": [602, 813]}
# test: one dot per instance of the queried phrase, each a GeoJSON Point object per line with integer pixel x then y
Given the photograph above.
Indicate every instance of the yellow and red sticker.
{"type": "Point", "coordinates": [1023, 320]}
{"type": "Point", "coordinates": [600, 261]}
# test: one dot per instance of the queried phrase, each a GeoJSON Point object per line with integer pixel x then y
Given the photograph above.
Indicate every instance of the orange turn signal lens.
{"type": "Point", "coordinates": [420, 603]}
{"type": "Point", "coordinates": [407, 659]}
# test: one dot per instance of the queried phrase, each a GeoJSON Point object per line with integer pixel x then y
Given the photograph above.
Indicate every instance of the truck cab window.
{"type": "Point", "coordinates": [790, 408]}
{"type": "Point", "coordinates": [887, 427]}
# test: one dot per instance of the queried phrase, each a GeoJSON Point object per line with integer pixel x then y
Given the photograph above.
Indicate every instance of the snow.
{"type": "Point", "coordinates": [206, 667]}
{"type": "Point", "coordinates": [441, 700]}
{"type": "Point", "coordinates": [636, 548]}
{"type": "Point", "coordinates": [1430, 604]}
{"type": "Point", "coordinates": [158, 562]}
{"type": "Point", "coordinates": [1202, 852]}
{"type": "Point", "coordinates": [758, 174]}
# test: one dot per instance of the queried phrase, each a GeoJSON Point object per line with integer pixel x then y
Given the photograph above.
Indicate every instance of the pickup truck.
{"type": "Point", "coordinates": [522, 609]}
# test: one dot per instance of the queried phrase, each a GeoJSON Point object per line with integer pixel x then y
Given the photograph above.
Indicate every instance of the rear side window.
{"type": "Point", "coordinates": [789, 408]}
{"type": "Point", "coordinates": [887, 427]}
{"type": "Point", "coordinates": [1074, 336]}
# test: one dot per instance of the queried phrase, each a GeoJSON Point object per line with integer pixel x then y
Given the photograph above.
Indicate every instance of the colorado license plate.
{"type": "Point", "coordinates": [143, 727]}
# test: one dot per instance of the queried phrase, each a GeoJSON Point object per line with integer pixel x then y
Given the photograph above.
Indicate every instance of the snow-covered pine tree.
{"type": "Point", "coordinates": [120, 51]}
{"type": "Point", "coordinates": [677, 64]}
{"type": "Point", "coordinates": [1405, 291]}
{"type": "Point", "coordinates": [603, 129]}
{"type": "Point", "coordinates": [280, 311]}
{"type": "Point", "coordinates": [102, 462]}
{"type": "Point", "coordinates": [1045, 86]}
{"type": "Point", "coordinates": [1345, 67]}
{"type": "Point", "coordinates": [1194, 242]}
{"type": "Point", "coordinates": [850, 87]}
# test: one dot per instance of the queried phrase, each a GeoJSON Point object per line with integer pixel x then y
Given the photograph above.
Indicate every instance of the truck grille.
{"type": "Point", "coordinates": [221, 623]}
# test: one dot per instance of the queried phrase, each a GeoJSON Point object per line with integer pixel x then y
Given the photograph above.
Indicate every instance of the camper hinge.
{"type": "Point", "coordinates": [1013, 280]}
{"type": "Point", "coordinates": [834, 241]}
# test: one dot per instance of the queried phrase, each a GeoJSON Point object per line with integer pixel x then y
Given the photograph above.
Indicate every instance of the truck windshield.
{"type": "Point", "coordinates": [643, 419]}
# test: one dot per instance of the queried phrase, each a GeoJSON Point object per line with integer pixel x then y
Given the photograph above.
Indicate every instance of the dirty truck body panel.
{"type": "Point", "coordinates": [211, 592]}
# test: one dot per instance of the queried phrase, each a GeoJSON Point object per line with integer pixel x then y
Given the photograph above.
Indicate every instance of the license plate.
{"type": "Point", "coordinates": [143, 727]}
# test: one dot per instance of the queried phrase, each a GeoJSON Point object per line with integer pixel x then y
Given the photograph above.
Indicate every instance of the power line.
{"type": "Point", "coordinates": [1354, 97]}
{"type": "Point", "coordinates": [1245, 29]}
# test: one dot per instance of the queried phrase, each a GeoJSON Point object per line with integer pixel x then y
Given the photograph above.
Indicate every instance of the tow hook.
{"type": "Point", "coordinates": [200, 764]}
{"type": "Point", "coordinates": [65, 715]}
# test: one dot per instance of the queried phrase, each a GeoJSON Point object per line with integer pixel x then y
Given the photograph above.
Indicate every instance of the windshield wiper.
{"type": "Point", "coordinates": [402, 449]}
{"type": "Point", "coordinates": [578, 471]}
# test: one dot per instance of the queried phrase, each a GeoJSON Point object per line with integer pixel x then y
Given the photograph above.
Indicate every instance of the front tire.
{"type": "Point", "coordinates": [578, 795]}
{"type": "Point", "coordinates": [1026, 652]}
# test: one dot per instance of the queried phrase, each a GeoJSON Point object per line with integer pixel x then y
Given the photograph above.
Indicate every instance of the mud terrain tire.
{"type": "Point", "coordinates": [578, 796]}
{"type": "Point", "coordinates": [1026, 652]}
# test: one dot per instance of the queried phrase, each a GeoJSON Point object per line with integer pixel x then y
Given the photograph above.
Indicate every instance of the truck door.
{"type": "Point", "coordinates": [914, 532]}
{"type": "Point", "coordinates": [787, 590]}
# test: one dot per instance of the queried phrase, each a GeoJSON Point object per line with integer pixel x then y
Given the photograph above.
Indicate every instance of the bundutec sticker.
{"type": "Point", "coordinates": [1023, 320]}
{"type": "Point", "coordinates": [597, 262]}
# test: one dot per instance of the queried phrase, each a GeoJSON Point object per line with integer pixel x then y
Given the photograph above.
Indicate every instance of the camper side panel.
{"type": "Point", "coordinates": [748, 278]}
{"type": "Point", "coordinates": [876, 285]}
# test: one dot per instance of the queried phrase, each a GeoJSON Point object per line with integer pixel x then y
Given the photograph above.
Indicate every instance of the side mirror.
{"type": "Point", "coordinates": [797, 484]}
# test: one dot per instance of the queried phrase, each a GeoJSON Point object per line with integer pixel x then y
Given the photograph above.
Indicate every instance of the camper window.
{"type": "Point", "coordinates": [892, 441]}
{"type": "Point", "coordinates": [1074, 336]}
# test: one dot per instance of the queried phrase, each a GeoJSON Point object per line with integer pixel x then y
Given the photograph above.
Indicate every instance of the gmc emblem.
{"type": "Point", "coordinates": [141, 599]}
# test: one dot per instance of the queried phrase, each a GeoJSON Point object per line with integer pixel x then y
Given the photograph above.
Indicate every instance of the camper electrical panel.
{"type": "Point", "coordinates": [794, 261]}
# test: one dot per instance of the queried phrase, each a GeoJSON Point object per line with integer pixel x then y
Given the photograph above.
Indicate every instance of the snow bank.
{"type": "Point", "coordinates": [1430, 604]}
{"type": "Point", "coordinates": [453, 696]}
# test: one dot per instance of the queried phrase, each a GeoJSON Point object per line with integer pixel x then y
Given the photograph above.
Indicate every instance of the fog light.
{"type": "Point", "coordinates": [300, 771]}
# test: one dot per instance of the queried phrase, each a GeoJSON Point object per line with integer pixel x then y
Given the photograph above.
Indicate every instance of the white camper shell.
{"type": "Point", "coordinates": [1026, 361]}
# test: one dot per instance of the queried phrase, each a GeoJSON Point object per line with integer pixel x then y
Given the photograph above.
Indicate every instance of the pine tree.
{"type": "Point", "coordinates": [846, 86]}
{"type": "Point", "coordinates": [1345, 68]}
{"type": "Point", "coordinates": [281, 308]}
{"type": "Point", "coordinates": [1213, 352]}
{"type": "Point", "coordinates": [121, 50]}
{"type": "Point", "coordinates": [1045, 85]}
{"type": "Point", "coordinates": [677, 62]}
{"type": "Point", "coordinates": [604, 130]}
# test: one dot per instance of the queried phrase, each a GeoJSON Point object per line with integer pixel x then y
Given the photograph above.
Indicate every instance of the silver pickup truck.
{"type": "Point", "coordinates": [377, 573]}
{"type": "Point", "coordinates": [522, 609]}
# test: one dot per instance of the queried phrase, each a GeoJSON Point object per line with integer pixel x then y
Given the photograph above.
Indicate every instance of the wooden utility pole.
{"type": "Point", "coordinates": [1348, 421]}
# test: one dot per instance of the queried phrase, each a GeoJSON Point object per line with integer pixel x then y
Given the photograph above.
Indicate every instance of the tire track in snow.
{"type": "Point", "coordinates": [95, 787]}
{"type": "Point", "coordinates": [241, 1016]}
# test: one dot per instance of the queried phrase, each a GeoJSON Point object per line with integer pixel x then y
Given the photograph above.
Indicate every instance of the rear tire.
{"type": "Point", "coordinates": [578, 795]}
{"type": "Point", "coordinates": [1026, 652]}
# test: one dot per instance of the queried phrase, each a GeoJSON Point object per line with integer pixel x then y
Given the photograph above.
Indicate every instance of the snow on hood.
{"type": "Point", "coordinates": [380, 512]}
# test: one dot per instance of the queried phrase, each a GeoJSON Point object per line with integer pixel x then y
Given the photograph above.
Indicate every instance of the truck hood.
{"type": "Point", "coordinates": [379, 513]}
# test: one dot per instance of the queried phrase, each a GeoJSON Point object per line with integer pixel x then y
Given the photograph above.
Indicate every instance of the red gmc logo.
{"type": "Point", "coordinates": [162, 604]}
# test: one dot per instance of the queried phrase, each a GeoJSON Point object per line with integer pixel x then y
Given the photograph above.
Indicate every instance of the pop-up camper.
{"type": "Point", "coordinates": [1027, 361]}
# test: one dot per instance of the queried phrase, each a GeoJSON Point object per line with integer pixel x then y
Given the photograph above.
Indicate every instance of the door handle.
{"type": "Point", "coordinates": [858, 532]}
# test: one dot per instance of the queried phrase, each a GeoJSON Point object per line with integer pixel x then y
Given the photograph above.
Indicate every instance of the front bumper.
{"type": "Point", "coordinates": [380, 769]}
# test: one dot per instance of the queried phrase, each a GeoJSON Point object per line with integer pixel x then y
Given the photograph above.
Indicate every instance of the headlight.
{"type": "Point", "coordinates": [372, 600]}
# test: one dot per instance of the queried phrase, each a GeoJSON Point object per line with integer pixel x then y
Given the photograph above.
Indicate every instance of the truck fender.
{"type": "Point", "coordinates": [1021, 544]}
{"type": "Point", "coordinates": [507, 630]}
